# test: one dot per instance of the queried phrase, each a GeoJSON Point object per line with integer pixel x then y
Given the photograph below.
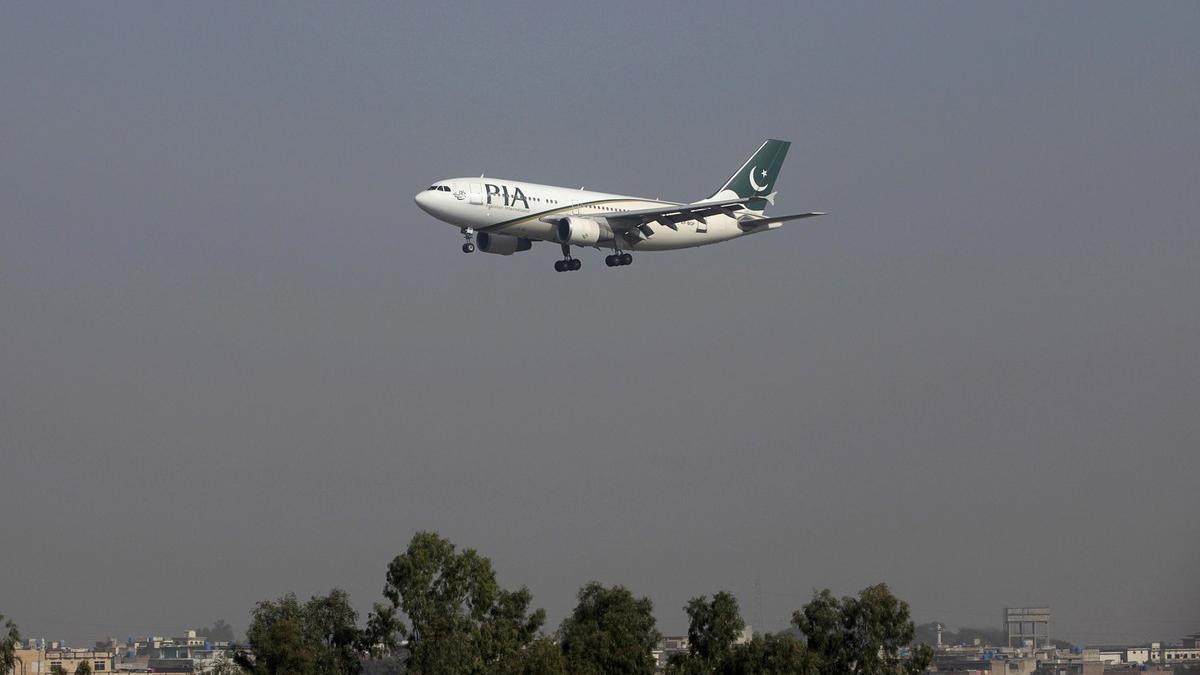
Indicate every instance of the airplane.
{"type": "Point", "coordinates": [504, 217]}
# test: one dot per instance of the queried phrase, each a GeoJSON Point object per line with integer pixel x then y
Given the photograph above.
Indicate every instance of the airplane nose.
{"type": "Point", "coordinates": [422, 199]}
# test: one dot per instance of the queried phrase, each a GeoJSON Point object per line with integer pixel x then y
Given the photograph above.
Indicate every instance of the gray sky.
{"type": "Point", "coordinates": [236, 360]}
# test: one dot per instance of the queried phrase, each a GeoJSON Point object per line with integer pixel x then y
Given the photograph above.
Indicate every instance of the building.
{"type": "Point", "coordinates": [189, 653]}
{"type": "Point", "coordinates": [41, 661]}
{"type": "Point", "coordinates": [980, 661]}
{"type": "Point", "coordinates": [1181, 655]}
{"type": "Point", "coordinates": [1155, 653]}
{"type": "Point", "coordinates": [1027, 626]}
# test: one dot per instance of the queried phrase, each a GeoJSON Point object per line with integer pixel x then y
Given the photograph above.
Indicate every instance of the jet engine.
{"type": "Point", "coordinates": [582, 231]}
{"type": "Point", "coordinates": [502, 244]}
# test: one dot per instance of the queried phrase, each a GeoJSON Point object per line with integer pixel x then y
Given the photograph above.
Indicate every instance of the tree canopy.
{"type": "Point", "coordinates": [609, 631]}
{"type": "Point", "coordinates": [861, 635]}
{"type": "Point", "coordinates": [462, 621]}
{"type": "Point", "coordinates": [713, 631]}
{"type": "Point", "coordinates": [10, 637]}
{"type": "Point", "coordinates": [713, 626]}
{"type": "Point", "coordinates": [459, 620]}
{"type": "Point", "coordinates": [771, 654]}
{"type": "Point", "coordinates": [540, 657]}
{"type": "Point", "coordinates": [319, 637]}
{"type": "Point", "coordinates": [218, 632]}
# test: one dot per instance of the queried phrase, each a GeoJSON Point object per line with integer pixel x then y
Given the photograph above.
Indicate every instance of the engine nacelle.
{"type": "Point", "coordinates": [502, 244]}
{"type": "Point", "coordinates": [582, 231]}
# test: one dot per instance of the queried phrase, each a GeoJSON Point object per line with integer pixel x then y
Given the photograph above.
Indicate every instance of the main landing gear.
{"type": "Point", "coordinates": [468, 247]}
{"type": "Point", "coordinates": [567, 264]}
{"type": "Point", "coordinates": [618, 259]}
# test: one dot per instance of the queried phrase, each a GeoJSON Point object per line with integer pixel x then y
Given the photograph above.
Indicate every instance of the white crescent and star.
{"type": "Point", "coordinates": [754, 184]}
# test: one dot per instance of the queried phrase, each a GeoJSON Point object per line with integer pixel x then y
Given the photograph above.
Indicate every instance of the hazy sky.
{"type": "Point", "coordinates": [236, 360]}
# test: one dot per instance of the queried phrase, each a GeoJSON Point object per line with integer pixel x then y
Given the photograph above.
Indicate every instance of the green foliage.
{"type": "Point", "coordinates": [713, 627]}
{"type": "Point", "coordinates": [777, 654]}
{"type": "Point", "coordinates": [919, 658]}
{"type": "Point", "coordinates": [462, 621]}
{"type": "Point", "coordinates": [609, 631]}
{"type": "Point", "coordinates": [542, 657]}
{"type": "Point", "coordinates": [84, 668]}
{"type": "Point", "coordinates": [860, 635]}
{"type": "Point", "coordinates": [224, 665]}
{"type": "Point", "coordinates": [9, 638]}
{"type": "Point", "coordinates": [381, 637]}
{"type": "Point", "coordinates": [319, 637]}
{"type": "Point", "coordinates": [57, 669]}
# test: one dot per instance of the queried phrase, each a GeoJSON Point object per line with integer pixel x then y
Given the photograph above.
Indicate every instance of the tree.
{"type": "Point", "coordinates": [319, 637]}
{"type": "Point", "coordinates": [84, 668]}
{"type": "Point", "coordinates": [57, 669]}
{"type": "Point", "coordinates": [541, 657]}
{"type": "Point", "coordinates": [713, 627]}
{"type": "Point", "coordinates": [861, 635]}
{"type": "Point", "coordinates": [771, 654]}
{"type": "Point", "coordinates": [10, 637]}
{"type": "Point", "coordinates": [218, 632]}
{"type": "Point", "coordinates": [276, 638]}
{"type": "Point", "coordinates": [334, 623]}
{"type": "Point", "coordinates": [462, 621]}
{"type": "Point", "coordinates": [609, 631]}
{"type": "Point", "coordinates": [381, 637]}
{"type": "Point", "coordinates": [224, 665]}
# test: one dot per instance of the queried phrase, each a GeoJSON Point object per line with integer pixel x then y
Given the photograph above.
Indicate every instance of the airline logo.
{"type": "Point", "coordinates": [501, 192]}
{"type": "Point", "coordinates": [753, 183]}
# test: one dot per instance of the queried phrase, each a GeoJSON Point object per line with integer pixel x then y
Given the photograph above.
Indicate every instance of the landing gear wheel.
{"type": "Point", "coordinates": [574, 264]}
{"type": "Point", "coordinates": [626, 259]}
{"type": "Point", "coordinates": [468, 247]}
{"type": "Point", "coordinates": [610, 260]}
{"type": "Point", "coordinates": [560, 265]}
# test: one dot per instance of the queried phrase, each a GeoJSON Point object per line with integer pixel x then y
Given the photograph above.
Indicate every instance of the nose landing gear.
{"type": "Point", "coordinates": [468, 247]}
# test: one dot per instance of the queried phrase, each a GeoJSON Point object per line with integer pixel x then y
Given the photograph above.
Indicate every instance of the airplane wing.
{"type": "Point", "coordinates": [667, 215]}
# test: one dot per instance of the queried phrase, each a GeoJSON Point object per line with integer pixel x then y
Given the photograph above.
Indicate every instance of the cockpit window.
{"type": "Point", "coordinates": [444, 188]}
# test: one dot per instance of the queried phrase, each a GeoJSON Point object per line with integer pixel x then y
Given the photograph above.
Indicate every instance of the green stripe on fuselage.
{"type": "Point", "coordinates": [563, 209]}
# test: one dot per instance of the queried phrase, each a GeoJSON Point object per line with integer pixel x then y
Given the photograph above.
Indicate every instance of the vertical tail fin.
{"type": "Point", "coordinates": [756, 177]}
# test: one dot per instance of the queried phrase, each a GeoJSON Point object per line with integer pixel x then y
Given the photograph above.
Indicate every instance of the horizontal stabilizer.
{"type": "Point", "coordinates": [771, 222]}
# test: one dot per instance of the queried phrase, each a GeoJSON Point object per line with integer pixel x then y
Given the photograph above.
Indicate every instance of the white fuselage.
{"type": "Point", "coordinates": [517, 208]}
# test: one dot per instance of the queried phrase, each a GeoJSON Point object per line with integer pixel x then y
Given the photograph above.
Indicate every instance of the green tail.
{"type": "Point", "coordinates": [756, 177]}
